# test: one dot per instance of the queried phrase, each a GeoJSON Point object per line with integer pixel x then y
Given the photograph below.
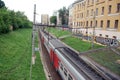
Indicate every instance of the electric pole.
{"type": "Point", "coordinates": [34, 29]}
{"type": "Point", "coordinates": [93, 37]}
{"type": "Point", "coordinates": [94, 15]}
{"type": "Point", "coordinates": [33, 40]}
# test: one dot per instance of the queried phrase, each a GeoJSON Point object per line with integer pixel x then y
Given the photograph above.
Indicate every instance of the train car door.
{"type": "Point", "coordinates": [42, 39]}
{"type": "Point", "coordinates": [51, 55]}
{"type": "Point", "coordinates": [56, 61]}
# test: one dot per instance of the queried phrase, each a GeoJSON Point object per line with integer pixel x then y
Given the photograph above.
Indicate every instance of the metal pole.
{"type": "Point", "coordinates": [93, 32]}
{"type": "Point", "coordinates": [94, 24]}
{"type": "Point", "coordinates": [34, 29]}
{"type": "Point", "coordinates": [33, 40]}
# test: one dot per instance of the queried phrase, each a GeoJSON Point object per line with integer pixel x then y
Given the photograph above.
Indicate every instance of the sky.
{"type": "Point", "coordinates": [42, 6]}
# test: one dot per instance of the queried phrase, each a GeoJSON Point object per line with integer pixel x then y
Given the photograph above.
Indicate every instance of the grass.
{"type": "Point", "coordinates": [74, 42]}
{"type": "Point", "coordinates": [58, 32]}
{"type": "Point", "coordinates": [38, 72]}
{"type": "Point", "coordinates": [15, 57]}
{"type": "Point", "coordinates": [108, 59]}
{"type": "Point", "coordinates": [79, 44]}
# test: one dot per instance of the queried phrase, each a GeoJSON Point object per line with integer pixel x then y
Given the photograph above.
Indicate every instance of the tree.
{"type": "Point", "coordinates": [10, 18]}
{"type": "Point", "coordinates": [2, 4]}
{"type": "Point", "coordinates": [53, 20]}
{"type": "Point", "coordinates": [63, 14]}
{"type": "Point", "coordinates": [4, 20]}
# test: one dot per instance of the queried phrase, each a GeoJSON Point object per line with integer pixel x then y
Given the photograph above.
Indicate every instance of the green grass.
{"type": "Point", "coordinates": [74, 42]}
{"type": "Point", "coordinates": [79, 44]}
{"type": "Point", "coordinates": [15, 57]}
{"type": "Point", "coordinates": [38, 72]}
{"type": "Point", "coordinates": [108, 59]}
{"type": "Point", "coordinates": [58, 32]}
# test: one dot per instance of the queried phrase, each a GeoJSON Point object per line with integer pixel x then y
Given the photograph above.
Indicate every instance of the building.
{"type": "Point", "coordinates": [70, 20]}
{"type": "Point", "coordinates": [101, 17]}
{"type": "Point", "coordinates": [59, 20]}
{"type": "Point", "coordinates": [45, 19]}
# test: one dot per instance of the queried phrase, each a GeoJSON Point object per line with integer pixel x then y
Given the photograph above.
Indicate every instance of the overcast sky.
{"type": "Point", "coordinates": [43, 6]}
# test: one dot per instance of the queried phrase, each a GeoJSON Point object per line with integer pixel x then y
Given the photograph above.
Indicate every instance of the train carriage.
{"type": "Point", "coordinates": [67, 62]}
{"type": "Point", "coordinates": [62, 65]}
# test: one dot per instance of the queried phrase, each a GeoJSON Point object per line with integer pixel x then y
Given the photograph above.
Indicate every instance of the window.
{"type": "Point", "coordinates": [114, 37]}
{"type": "Point", "coordinates": [91, 24]}
{"type": "Point", "coordinates": [101, 24]}
{"type": "Point", "coordinates": [106, 36]}
{"type": "Point", "coordinates": [116, 24]}
{"type": "Point", "coordinates": [118, 7]}
{"type": "Point", "coordinates": [87, 13]}
{"type": "Point", "coordinates": [61, 66]}
{"type": "Point", "coordinates": [82, 15]}
{"type": "Point", "coordinates": [70, 77]}
{"type": "Point", "coordinates": [65, 72]}
{"type": "Point", "coordinates": [91, 12]}
{"type": "Point", "coordinates": [102, 11]}
{"type": "Point", "coordinates": [108, 23]}
{"type": "Point", "coordinates": [109, 9]}
{"type": "Point", "coordinates": [87, 23]}
{"type": "Point", "coordinates": [81, 23]}
{"type": "Point", "coordinates": [100, 34]}
{"type": "Point", "coordinates": [96, 11]}
{"type": "Point", "coordinates": [78, 6]}
{"type": "Point", "coordinates": [96, 23]}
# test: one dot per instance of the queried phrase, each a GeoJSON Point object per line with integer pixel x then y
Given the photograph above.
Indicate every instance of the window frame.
{"type": "Point", "coordinates": [116, 24]}
{"type": "Point", "coordinates": [109, 9]}
{"type": "Point", "coordinates": [118, 7]}
{"type": "Point", "coordinates": [108, 23]}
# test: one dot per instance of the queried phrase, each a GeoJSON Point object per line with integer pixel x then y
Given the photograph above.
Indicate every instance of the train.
{"type": "Point", "coordinates": [66, 61]}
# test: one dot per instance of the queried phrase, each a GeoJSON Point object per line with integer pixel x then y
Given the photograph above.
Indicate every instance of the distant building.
{"type": "Point", "coordinates": [104, 15]}
{"type": "Point", "coordinates": [45, 19]}
{"type": "Point", "coordinates": [59, 20]}
{"type": "Point", "coordinates": [70, 20]}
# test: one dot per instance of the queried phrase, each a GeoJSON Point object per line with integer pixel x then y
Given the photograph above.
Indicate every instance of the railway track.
{"type": "Point", "coordinates": [91, 72]}
{"type": "Point", "coordinates": [81, 66]}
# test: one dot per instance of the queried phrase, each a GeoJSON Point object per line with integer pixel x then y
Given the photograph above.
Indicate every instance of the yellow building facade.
{"type": "Point", "coordinates": [104, 15]}
{"type": "Point", "coordinates": [45, 19]}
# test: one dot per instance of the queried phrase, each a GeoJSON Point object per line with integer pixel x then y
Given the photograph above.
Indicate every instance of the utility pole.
{"type": "Point", "coordinates": [33, 41]}
{"type": "Point", "coordinates": [94, 15]}
{"type": "Point", "coordinates": [93, 37]}
{"type": "Point", "coordinates": [34, 29]}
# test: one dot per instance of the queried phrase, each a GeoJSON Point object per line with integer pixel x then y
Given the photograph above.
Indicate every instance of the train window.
{"type": "Point", "coordinates": [114, 37]}
{"type": "Point", "coordinates": [70, 77]}
{"type": "Point", "coordinates": [100, 34]}
{"type": "Point", "coordinates": [106, 36]}
{"type": "Point", "coordinates": [65, 72]}
{"type": "Point", "coordinates": [61, 67]}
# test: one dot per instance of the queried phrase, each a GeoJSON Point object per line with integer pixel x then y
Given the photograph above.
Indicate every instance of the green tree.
{"type": "Point", "coordinates": [63, 14]}
{"type": "Point", "coordinates": [11, 18]}
{"type": "Point", "coordinates": [53, 20]}
{"type": "Point", "coordinates": [2, 4]}
{"type": "Point", "coordinates": [4, 20]}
